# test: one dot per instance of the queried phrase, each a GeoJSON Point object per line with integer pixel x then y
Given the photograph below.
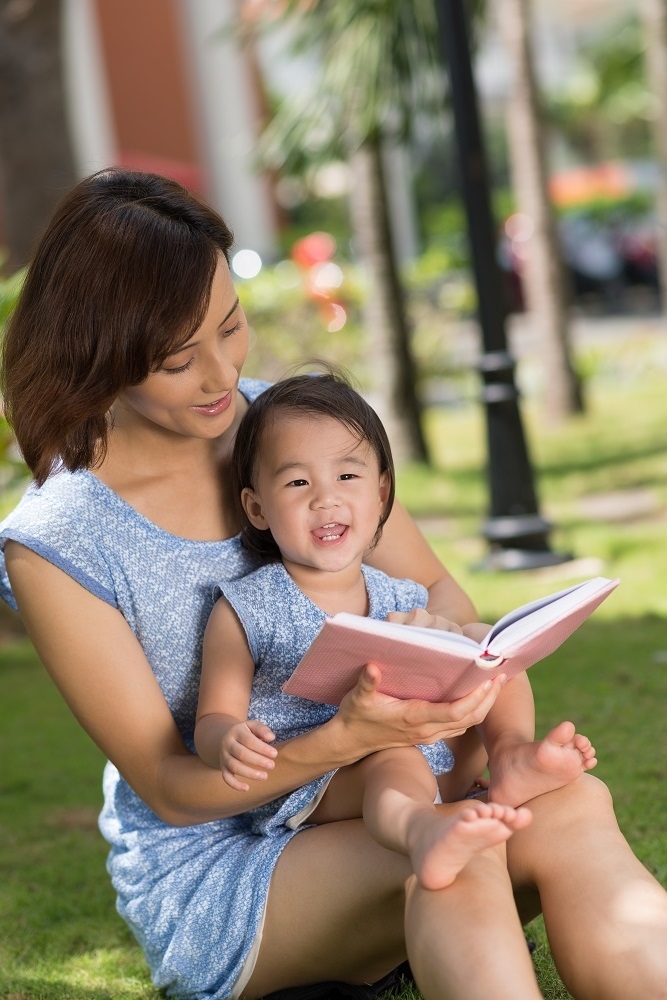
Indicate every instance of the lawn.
{"type": "Point", "coordinates": [602, 482]}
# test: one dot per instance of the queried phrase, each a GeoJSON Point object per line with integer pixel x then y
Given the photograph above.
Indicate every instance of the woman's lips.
{"type": "Point", "coordinates": [215, 408]}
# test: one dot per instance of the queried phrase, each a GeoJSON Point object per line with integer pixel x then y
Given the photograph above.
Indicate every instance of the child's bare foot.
{"type": "Point", "coordinates": [443, 844]}
{"type": "Point", "coordinates": [525, 770]}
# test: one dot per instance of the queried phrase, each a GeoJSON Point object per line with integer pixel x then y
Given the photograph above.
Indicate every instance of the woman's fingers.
{"type": "Point", "coordinates": [394, 722]}
{"type": "Point", "coordinates": [369, 679]}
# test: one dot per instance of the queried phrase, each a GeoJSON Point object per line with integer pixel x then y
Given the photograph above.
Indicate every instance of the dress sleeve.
{"type": "Point", "coordinates": [250, 596]}
{"type": "Point", "coordinates": [410, 595]}
{"type": "Point", "coordinates": [388, 593]}
{"type": "Point", "coordinates": [63, 531]}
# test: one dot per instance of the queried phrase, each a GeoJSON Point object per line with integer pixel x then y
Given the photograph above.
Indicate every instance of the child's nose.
{"type": "Point", "coordinates": [325, 500]}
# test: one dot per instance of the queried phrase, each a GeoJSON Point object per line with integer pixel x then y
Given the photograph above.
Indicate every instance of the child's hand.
{"type": "Point", "coordinates": [424, 619]}
{"type": "Point", "coordinates": [244, 753]}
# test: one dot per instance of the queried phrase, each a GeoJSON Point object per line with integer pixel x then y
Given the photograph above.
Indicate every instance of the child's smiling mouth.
{"type": "Point", "coordinates": [330, 532]}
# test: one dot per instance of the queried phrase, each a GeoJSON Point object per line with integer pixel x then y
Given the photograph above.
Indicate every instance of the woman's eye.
{"type": "Point", "coordinates": [232, 330]}
{"type": "Point", "coordinates": [181, 368]}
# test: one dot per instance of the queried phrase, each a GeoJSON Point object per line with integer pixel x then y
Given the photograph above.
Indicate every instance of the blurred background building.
{"type": "Point", "coordinates": [162, 85]}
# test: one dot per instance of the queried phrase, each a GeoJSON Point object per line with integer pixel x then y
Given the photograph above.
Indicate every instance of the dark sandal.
{"type": "Point", "coordinates": [345, 991]}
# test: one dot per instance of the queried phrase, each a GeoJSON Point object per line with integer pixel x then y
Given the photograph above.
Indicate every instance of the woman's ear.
{"type": "Point", "coordinates": [253, 508]}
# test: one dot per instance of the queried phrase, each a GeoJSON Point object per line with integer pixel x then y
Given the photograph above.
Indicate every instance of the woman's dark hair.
{"type": "Point", "coordinates": [326, 394]}
{"type": "Point", "coordinates": [121, 276]}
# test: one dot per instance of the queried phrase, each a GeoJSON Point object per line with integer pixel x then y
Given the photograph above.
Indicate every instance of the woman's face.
{"type": "Point", "coordinates": [194, 393]}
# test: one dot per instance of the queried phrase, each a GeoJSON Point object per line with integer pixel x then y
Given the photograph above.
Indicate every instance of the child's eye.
{"type": "Point", "coordinates": [298, 482]}
{"type": "Point", "coordinates": [347, 475]}
{"type": "Point", "coordinates": [181, 368]}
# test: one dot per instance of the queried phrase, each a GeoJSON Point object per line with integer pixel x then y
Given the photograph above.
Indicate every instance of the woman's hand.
{"type": "Point", "coordinates": [379, 722]}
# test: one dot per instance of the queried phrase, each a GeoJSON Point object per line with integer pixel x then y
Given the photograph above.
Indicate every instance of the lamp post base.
{"type": "Point", "coordinates": [519, 542]}
{"type": "Point", "coordinates": [499, 559]}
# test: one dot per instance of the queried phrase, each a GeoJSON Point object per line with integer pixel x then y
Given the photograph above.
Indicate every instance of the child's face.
{"type": "Point", "coordinates": [320, 491]}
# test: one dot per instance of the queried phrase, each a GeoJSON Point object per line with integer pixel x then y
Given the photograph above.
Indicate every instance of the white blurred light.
{"type": "Point", "coordinates": [246, 263]}
{"type": "Point", "coordinates": [332, 180]}
{"type": "Point", "coordinates": [338, 317]}
{"type": "Point", "coordinates": [519, 227]}
{"type": "Point", "coordinates": [327, 275]}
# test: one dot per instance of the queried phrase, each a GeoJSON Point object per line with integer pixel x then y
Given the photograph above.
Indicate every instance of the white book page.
{"type": "Point", "coordinates": [523, 621]}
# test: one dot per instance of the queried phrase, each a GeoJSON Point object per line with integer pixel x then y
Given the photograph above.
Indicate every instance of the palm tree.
{"type": "Point", "coordinates": [543, 273]}
{"type": "Point", "coordinates": [378, 72]}
{"type": "Point", "coordinates": [36, 160]}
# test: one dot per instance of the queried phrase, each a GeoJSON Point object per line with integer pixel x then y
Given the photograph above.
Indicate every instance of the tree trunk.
{"type": "Point", "coordinates": [654, 16]}
{"type": "Point", "coordinates": [393, 392]}
{"type": "Point", "coordinates": [542, 273]}
{"type": "Point", "coordinates": [36, 159]}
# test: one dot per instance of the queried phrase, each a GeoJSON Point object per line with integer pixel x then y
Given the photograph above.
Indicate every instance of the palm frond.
{"type": "Point", "coordinates": [378, 73]}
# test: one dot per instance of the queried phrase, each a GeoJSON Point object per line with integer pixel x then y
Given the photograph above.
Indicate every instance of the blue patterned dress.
{"type": "Point", "coordinates": [280, 623]}
{"type": "Point", "coordinates": [193, 896]}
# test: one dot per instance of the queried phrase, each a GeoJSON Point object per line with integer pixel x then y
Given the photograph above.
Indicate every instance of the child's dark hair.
{"type": "Point", "coordinates": [326, 394]}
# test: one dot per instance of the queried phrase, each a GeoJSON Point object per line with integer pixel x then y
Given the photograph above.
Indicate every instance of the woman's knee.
{"type": "Point", "coordinates": [588, 795]}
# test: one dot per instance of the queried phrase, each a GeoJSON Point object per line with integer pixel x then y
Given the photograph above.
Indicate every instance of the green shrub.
{"type": "Point", "coordinates": [12, 469]}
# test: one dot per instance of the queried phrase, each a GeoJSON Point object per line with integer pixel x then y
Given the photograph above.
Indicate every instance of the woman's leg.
{"type": "Point", "coordinates": [466, 941]}
{"type": "Point", "coordinates": [337, 911]}
{"type": "Point", "coordinates": [605, 914]}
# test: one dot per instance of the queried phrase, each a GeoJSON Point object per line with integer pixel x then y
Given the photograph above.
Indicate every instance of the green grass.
{"type": "Point", "coordinates": [60, 936]}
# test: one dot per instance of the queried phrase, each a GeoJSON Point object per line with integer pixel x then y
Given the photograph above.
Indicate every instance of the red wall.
{"type": "Point", "coordinates": [149, 91]}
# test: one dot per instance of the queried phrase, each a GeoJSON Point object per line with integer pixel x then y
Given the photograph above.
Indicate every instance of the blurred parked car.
{"type": "Point", "coordinates": [602, 257]}
{"type": "Point", "coordinates": [608, 240]}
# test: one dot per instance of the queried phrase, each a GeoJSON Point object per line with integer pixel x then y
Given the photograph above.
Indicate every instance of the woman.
{"type": "Point", "coordinates": [121, 378]}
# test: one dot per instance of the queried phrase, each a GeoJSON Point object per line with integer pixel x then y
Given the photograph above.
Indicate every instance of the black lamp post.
{"type": "Point", "coordinates": [516, 532]}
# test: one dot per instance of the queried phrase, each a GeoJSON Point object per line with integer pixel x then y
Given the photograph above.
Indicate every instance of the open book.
{"type": "Point", "coordinates": [434, 665]}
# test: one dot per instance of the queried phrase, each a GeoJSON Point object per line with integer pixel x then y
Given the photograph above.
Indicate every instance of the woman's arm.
{"type": "Point", "coordinates": [97, 663]}
{"type": "Point", "coordinates": [404, 552]}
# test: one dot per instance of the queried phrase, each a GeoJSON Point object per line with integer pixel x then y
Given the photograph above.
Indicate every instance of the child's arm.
{"type": "Point", "coordinates": [510, 723]}
{"type": "Point", "coordinates": [512, 719]}
{"type": "Point", "coordinates": [403, 552]}
{"type": "Point", "coordinates": [224, 737]}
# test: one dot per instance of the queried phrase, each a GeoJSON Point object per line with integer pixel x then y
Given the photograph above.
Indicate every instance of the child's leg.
{"type": "Point", "coordinates": [521, 768]}
{"type": "Point", "coordinates": [470, 764]}
{"type": "Point", "coordinates": [395, 790]}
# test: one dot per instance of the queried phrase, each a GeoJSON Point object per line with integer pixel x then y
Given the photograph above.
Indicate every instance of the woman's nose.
{"type": "Point", "coordinates": [218, 373]}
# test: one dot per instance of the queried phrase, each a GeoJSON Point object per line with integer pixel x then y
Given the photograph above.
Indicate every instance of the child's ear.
{"type": "Point", "coordinates": [253, 508]}
{"type": "Point", "coordinates": [384, 489]}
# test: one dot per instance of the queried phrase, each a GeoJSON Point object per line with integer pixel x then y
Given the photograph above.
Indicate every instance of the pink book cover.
{"type": "Point", "coordinates": [439, 666]}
